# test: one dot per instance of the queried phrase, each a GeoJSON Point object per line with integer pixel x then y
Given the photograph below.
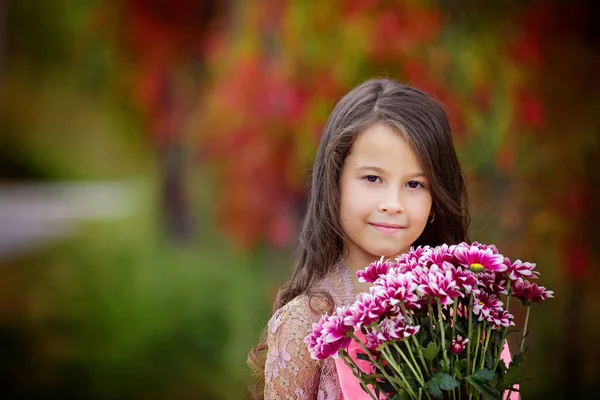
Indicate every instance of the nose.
{"type": "Point", "coordinates": [392, 204]}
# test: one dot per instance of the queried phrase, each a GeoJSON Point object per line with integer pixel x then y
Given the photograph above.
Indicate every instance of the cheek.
{"type": "Point", "coordinates": [344, 203]}
{"type": "Point", "coordinates": [349, 195]}
{"type": "Point", "coordinates": [421, 208]}
{"type": "Point", "coordinates": [349, 210]}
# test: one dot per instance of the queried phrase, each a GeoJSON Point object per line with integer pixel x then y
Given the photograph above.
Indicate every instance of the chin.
{"type": "Point", "coordinates": [388, 252]}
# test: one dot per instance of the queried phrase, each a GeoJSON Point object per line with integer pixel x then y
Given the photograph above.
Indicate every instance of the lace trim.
{"type": "Point", "coordinates": [290, 372]}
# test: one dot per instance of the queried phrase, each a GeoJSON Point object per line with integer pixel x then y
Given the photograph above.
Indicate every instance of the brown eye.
{"type": "Point", "coordinates": [371, 178]}
{"type": "Point", "coordinates": [415, 185]}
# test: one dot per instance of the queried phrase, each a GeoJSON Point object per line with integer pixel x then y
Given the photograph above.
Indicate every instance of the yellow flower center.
{"type": "Point", "coordinates": [476, 267]}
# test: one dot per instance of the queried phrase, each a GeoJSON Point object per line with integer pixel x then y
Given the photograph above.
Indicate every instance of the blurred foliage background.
{"type": "Point", "coordinates": [153, 159]}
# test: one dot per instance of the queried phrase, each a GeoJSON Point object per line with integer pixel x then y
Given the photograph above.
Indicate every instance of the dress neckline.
{"type": "Point", "coordinates": [349, 288]}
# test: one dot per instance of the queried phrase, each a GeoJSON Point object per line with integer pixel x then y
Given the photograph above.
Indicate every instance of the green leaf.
{"type": "Point", "coordinates": [441, 381]}
{"type": "Point", "coordinates": [518, 359]}
{"type": "Point", "coordinates": [489, 358]}
{"type": "Point", "coordinates": [512, 376]}
{"type": "Point", "coordinates": [501, 368]}
{"type": "Point", "coordinates": [362, 356]}
{"type": "Point", "coordinates": [484, 388]}
{"type": "Point", "coordinates": [445, 366]}
{"type": "Point", "coordinates": [431, 351]}
{"type": "Point", "coordinates": [368, 379]}
{"type": "Point", "coordinates": [461, 330]}
{"type": "Point", "coordinates": [409, 378]}
{"type": "Point", "coordinates": [460, 367]}
{"type": "Point", "coordinates": [484, 375]}
{"type": "Point", "coordinates": [404, 395]}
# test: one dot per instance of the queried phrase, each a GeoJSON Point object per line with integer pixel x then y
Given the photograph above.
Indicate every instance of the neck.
{"type": "Point", "coordinates": [354, 265]}
{"type": "Point", "coordinates": [353, 268]}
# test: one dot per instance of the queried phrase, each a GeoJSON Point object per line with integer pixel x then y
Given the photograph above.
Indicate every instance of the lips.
{"type": "Point", "coordinates": [386, 228]}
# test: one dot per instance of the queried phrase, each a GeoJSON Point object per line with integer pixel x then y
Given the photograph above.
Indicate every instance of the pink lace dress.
{"type": "Point", "coordinates": [290, 372]}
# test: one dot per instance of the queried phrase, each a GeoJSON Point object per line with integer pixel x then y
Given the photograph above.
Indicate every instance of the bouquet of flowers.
{"type": "Point", "coordinates": [434, 324]}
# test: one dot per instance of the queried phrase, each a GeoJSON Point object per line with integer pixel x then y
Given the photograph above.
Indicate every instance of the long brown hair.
{"type": "Point", "coordinates": [424, 124]}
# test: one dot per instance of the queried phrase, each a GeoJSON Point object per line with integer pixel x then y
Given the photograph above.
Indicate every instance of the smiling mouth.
{"type": "Point", "coordinates": [387, 228]}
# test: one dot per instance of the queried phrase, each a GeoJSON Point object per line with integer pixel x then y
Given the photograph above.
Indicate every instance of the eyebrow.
{"type": "Point", "coordinates": [370, 168]}
{"type": "Point", "coordinates": [381, 171]}
{"type": "Point", "coordinates": [418, 175]}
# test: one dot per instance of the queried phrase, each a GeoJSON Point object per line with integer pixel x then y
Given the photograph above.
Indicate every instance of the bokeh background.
{"type": "Point", "coordinates": [153, 160]}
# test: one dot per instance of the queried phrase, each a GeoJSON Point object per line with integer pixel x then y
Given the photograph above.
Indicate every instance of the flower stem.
{"type": "Point", "coordinates": [443, 334]}
{"type": "Point", "coordinates": [508, 295]}
{"type": "Point", "coordinates": [417, 372]}
{"type": "Point", "coordinates": [354, 368]}
{"type": "Point", "coordinates": [390, 360]}
{"type": "Point", "coordinates": [476, 348]}
{"type": "Point", "coordinates": [454, 309]}
{"type": "Point", "coordinates": [470, 331]}
{"type": "Point", "coordinates": [430, 321]}
{"type": "Point", "coordinates": [412, 356]}
{"type": "Point", "coordinates": [374, 362]}
{"type": "Point", "coordinates": [418, 347]}
{"type": "Point", "coordinates": [524, 329]}
{"type": "Point", "coordinates": [405, 314]}
{"type": "Point", "coordinates": [499, 352]}
{"type": "Point", "coordinates": [522, 341]}
{"type": "Point", "coordinates": [488, 333]}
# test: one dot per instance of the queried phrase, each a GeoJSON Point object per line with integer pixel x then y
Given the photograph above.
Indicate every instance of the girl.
{"type": "Point", "coordinates": [386, 177]}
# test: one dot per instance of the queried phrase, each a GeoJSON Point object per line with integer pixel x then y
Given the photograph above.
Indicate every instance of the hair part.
{"type": "Point", "coordinates": [424, 124]}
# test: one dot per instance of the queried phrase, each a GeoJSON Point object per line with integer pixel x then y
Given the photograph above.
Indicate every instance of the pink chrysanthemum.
{"type": "Point", "coordinates": [327, 337]}
{"type": "Point", "coordinates": [439, 284]}
{"type": "Point", "coordinates": [492, 283]}
{"type": "Point", "coordinates": [520, 269]}
{"type": "Point", "coordinates": [366, 310]}
{"type": "Point", "coordinates": [440, 255]}
{"type": "Point", "coordinates": [344, 312]}
{"type": "Point", "coordinates": [410, 330]}
{"type": "Point", "coordinates": [479, 260]}
{"type": "Point", "coordinates": [484, 303]}
{"type": "Point", "coordinates": [419, 307]}
{"type": "Point", "coordinates": [500, 318]}
{"type": "Point", "coordinates": [530, 293]}
{"type": "Point", "coordinates": [413, 257]}
{"type": "Point", "coordinates": [334, 329]}
{"type": "Point", "coordinates": [390, 329]}
{"type": "Point", "coordinates": [404, 268]}
{"type": "Point", "coordinates": [465, 279]}
{"type": "Point", "coordinates": [374, 271]}
{"type": "Point", "coordinates": [458, 345]}
{"type": "Point", "coordinates": [395, 287]}
{"type": "Point", "coordinates": [372, 342]}
{"type": "Point", "coordinates": [482, 246]}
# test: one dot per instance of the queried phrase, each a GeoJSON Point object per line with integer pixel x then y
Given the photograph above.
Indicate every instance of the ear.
{"type": "Point", "coordinates": [431, 215]}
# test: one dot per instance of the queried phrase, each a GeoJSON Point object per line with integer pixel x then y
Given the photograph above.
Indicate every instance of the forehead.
{"type": "Point", "coordinates": [385, 148]}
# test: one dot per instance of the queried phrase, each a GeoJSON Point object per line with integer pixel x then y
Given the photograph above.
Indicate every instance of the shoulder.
{"type": "Point", "coordinates": [298, 314]}
{"type": "Point", "coordinates": [338, 284]}
{"type": "Point", "coordinates": [289, 368]}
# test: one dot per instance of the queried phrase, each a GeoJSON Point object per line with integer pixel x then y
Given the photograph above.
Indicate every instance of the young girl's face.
{"type": "Point", "coordinates": [385, 200]}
